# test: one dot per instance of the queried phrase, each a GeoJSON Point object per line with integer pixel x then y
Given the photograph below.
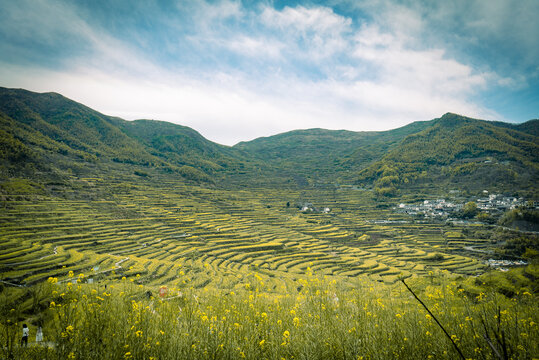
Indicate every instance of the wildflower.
{"type": "Point", "coordinates": [428, 316]}
{"type": "Point", "coordinates": [264, 315]}
{"type": "Point", "coordinates": [71, 355]}
{"type": "Point", "coordinates": [292, 312]}
{"type": "Point", "coordinates": [261, 343]}
{"type": "Point", "coordinates": [138, 333]}
{"type": "Point", "coordinates": [52, 304]}
{"type": "Point", "coordinates": [128, 355]}
{"type": "Point", "coordinates": [286, 334]}
{"type": "Point", "coordinates": [161, 332]}
{"type": "Point", "coordinates": [398, 315]}
{"type": "Point", "coordinates": [70, 274]}
{"type": "Point", "coordinates": [454, 338]}
{"type": "Point", "coordinates": [428, 333]}
{"type": "Point", "coordinates": [296, 322]}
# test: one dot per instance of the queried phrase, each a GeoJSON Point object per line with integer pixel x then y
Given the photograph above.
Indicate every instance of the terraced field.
{"type": "Point", "coordinates": [195, 237]}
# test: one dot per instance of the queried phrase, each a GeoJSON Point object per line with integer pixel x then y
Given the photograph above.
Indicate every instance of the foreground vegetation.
{"type": "Point", "coordinates": [322, 319]}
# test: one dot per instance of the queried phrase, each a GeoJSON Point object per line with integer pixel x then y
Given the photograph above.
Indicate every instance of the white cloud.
{"type": "Point", "coordinates": [318, 30]}
{"type": "Point", "coordinates": [371, 77]}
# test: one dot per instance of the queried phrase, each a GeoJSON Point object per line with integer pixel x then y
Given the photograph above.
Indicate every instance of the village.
{"type": "Point", "coordinates": [493, 204]}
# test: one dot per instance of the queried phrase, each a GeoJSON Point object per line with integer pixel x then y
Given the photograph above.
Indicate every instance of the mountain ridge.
{"type": "Point", "coordinates": [50, 134]}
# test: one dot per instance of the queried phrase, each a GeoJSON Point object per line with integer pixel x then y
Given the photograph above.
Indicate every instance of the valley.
{"type": "Point", "coordinates": [177, 235]}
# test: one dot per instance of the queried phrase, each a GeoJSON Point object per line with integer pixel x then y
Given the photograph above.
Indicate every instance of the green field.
{"type": "Point", "coordinates": [328, 283]}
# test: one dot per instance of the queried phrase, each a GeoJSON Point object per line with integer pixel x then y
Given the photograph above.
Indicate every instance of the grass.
{"type": "Point", "coordinates": [208, 243]}
{"type": "Point", "coordinates": [319, 319]}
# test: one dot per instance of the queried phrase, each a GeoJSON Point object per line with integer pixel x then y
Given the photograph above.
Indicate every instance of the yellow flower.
{"type": "Point", "coordinates": [428, 333]}
{"type": "Point", "coordinates": [71, 355]}
{"type": "Point", "coordinates": [286, 334]}
{"type": "Point", "coordinates": [70, 273]}
{"type": "Point", "coordinates": [296, 321]}
{"type": "Point", "coordinates": [261, 343]}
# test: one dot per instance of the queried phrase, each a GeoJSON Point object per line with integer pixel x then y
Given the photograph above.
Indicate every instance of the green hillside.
{"type": "Point", "coordinates": [460, 152]}
{"type": "Point", "coordinates": [321, 155]}
{"type": "Point", "coordinates": [49, 139]}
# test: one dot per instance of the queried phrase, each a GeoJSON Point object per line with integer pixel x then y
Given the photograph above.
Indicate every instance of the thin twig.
{"type": "Point", "coordinates": [437, 322]}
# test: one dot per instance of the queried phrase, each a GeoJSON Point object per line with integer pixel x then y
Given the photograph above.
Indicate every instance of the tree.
{"type": "Point", "coordinates": [469, 210]}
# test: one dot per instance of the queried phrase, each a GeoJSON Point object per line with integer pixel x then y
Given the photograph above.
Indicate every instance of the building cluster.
{"type": "Point", "coordinates": [504, 265]}
{"type": "Point", "coordinates": [442, 208]}
{"type": "Point", "coordinates": [309, 207]}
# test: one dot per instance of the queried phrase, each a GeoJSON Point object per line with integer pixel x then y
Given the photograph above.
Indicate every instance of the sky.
{"type": "Point", "coordinates": [238, 70]}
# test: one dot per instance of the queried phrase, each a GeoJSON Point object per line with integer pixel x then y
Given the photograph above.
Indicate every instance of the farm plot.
{"type": "Point", "coordinates": [198, 237]}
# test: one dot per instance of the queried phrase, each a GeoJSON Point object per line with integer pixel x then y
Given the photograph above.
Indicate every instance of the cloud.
{"type": "Point", "coordinates": [235, 72]}
{"type": "Point", "coordinates": [317, 30]}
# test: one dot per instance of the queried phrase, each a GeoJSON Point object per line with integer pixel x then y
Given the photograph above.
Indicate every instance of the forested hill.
{"type": "Point", "coordinates": [461, 153]}
{"type": "Point", "coordinates": [49, 139]}
{"type": "Point", "coordinates": [321, 155]}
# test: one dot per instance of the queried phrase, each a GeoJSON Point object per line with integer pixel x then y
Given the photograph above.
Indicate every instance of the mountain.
{"type": "Point", "coordinates": [319, 155]}
{"type": "Point", "coordinates": [47, 136]}
{"type": "Point", "coordinates": [463, 153]}
{"type": "Point", "coordinates": [51, 141]}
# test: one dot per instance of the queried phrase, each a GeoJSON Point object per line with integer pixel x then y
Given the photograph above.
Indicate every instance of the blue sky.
{"type": "Point", "coordinates": [237, 70]}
